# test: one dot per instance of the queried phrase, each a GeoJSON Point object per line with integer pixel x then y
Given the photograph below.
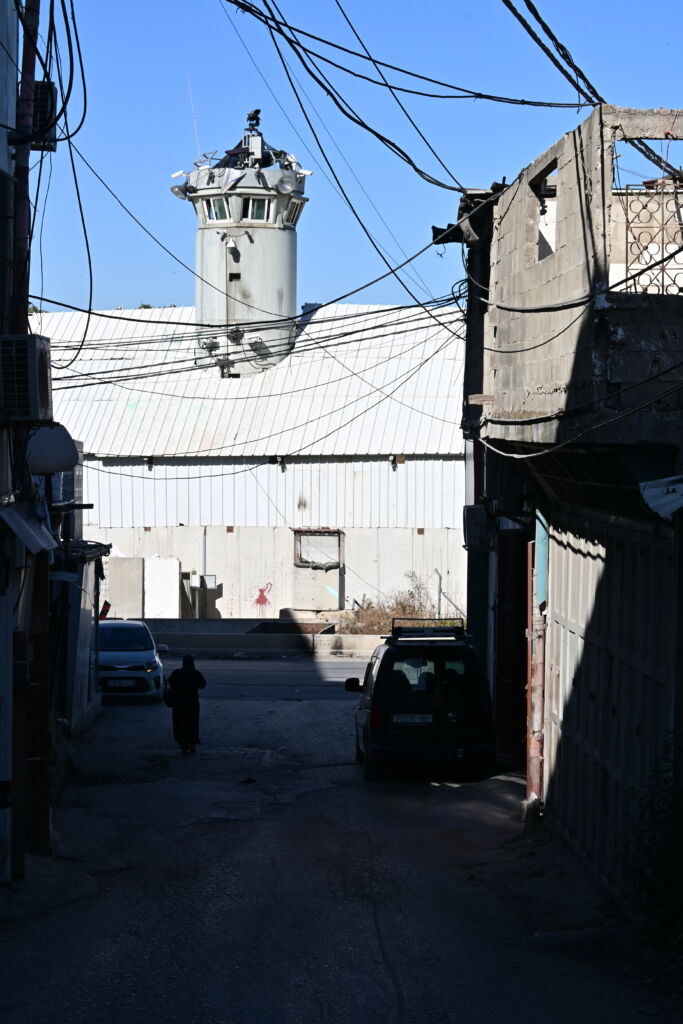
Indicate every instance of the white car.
{"type": "Point", "coordinates": [129, 663]}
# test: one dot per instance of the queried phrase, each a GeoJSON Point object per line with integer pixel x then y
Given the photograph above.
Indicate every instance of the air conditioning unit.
{"type": "Point", "coordinates": [25, 380]}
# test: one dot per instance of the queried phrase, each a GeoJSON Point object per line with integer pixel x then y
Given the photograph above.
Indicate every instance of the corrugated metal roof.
{"type": "Point", "coordinates": [362, 380]}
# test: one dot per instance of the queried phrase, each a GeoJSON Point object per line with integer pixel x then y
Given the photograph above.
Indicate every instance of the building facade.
{"type": "Point", "coordinates": [48, 587]}
{"type": "Point", "coordinates": [573, 398]}
{"type": "Point", "coordinates": [317, 485]}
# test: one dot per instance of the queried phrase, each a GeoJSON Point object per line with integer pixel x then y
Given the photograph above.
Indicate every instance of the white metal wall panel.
{"type": "Point", "coordinates": [392, 386]}
{"type": "Point", "coordinates": [161, 588]}
{"type": "Point", "coordinates": [609, 672]}
{"type": "Point", "coordinates": [360, 493]}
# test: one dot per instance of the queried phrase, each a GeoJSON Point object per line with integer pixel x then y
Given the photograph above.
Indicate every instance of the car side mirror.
{"type": "Point", "coordinates": [162, 648]}
{"type": "Point", "coordinates": [352, 685]}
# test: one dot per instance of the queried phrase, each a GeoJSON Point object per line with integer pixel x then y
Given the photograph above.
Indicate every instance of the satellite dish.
{"type": "Point", "coordinates": [287, 183]}
{"type": "Point", "coordinates": [50, 449]}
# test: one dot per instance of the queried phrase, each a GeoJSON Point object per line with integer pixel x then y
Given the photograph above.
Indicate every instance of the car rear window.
{"type": "Point", "coordinates": [125, 638]}
{"type": "Point", "coordinates": [429, 679]}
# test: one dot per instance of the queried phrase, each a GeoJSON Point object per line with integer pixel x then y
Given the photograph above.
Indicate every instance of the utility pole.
{"type": "Point", "coordinates": [31, 711]}
{"type": "Point", "coordinates": [22, 205]}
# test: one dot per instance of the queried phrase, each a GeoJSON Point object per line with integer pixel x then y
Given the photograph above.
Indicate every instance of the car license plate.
{"type": "Point", "coordinates": [120, 683]}
{"type": "Point", "coordinates": [420, 719]}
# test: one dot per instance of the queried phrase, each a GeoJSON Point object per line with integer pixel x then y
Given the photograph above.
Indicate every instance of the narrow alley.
{"type": "Point", "coordinates": [264, 881]}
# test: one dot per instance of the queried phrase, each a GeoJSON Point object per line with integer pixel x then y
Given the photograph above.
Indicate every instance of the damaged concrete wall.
{"type": "Point", "coordinates": [548, 369]}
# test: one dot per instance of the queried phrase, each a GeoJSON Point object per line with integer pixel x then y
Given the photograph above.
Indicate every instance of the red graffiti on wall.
{"type": "Point", "coordinates": [262, 601]}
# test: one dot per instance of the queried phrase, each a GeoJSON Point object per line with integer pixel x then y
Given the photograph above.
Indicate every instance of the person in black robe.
{"type": "Point", "coordinates": [184, 685]}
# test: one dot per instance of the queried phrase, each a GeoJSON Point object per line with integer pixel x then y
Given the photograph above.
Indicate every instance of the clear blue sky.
{"type": "Point", "coordinates": [139, 58]}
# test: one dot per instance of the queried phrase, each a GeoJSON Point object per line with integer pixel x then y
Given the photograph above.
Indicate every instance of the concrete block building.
{"type": "Point", "coordinates": [573, 410]}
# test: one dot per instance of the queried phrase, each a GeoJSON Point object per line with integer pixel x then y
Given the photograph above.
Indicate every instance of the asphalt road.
{"type": "Point", "coordinates": [264, 882]}
{"type": "Point", "coordinates": [277, 678]}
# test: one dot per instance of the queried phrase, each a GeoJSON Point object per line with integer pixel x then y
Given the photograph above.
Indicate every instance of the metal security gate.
{"type": "Point", "coordinates": [654, 230]}
{"type": "Point", "coordinates": [609, 676]}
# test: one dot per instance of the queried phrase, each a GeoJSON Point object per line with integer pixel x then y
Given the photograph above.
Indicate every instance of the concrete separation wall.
{"type": "Point", "coordinates": [254, 565]}
{"type": "Point", "coordinates": [230, 638]}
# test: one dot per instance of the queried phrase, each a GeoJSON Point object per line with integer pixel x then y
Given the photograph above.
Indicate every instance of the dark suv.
{"type": "Point", "coordinates": [424, 697]}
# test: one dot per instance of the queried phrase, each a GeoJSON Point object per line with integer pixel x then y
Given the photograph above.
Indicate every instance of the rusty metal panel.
{"type": "Point", "coordinates": [609, 673]}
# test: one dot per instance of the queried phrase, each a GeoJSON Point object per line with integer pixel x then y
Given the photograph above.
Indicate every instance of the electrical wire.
{"type": "Point", "coordinates": [67, 134]}
{"type": "Point", "coordinates": [66, 94]}
{"type": "Point", "coordinates": [81, 213]}
{"type": "Point", "coordinates": [651, 266]}
{"type": "Point", "coordinates": [248, 8]}
{"type": "Point", "coordinates": [392, 270]}
{"type": "Point", "coordinates": [329, 302]}
{"type": "Point", "coordinates": [587, 430]}
{"type": "Point", "coordinates": [583, 300]}
{"type": "Point", "coordinates": [395, 97]}
{"type": "Point", "coordinates": [186, 266]}
{"type": "Point", "coordinates": [413, 273]}
{"type": "Point", "coordinates": [577, 410]}
{"type": "Point", "coordinates": [189, 362]}
{"type": "Point", "coordinates": [286, 521]}
{"type": "Point", "coordinates": [246, 398]}
{"type": "Point", "coordinates": [347, 111]}
{"type": "Point", "coordinates": [157, 240]}
{"type": "Point", "coordinates": [587, 90]}
{"type": "Point", "coordinates": [297, 451]}
{"type": "Point", "coordinates": [306, 340]}
{"type": "Point", "coordinates": [34, 204]}
{"type": "Point", "coordinates": [420, 412]}
{"type": "Point", "coordinates": [33, 42]}
{"type": "Point", "coordinates": [9, 56]}
{"type": "Point", "coordinates": [213, 329]}
{"type": "Point", "coordinates": [312, 155]}
{"type": "Point", "coordinates": [408, 375]}
{"type": "Point", "coordinates": [42, 224]}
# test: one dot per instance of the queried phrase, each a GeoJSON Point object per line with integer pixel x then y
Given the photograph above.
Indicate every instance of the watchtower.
{"type": "Point", "coordinates": [248, 204]}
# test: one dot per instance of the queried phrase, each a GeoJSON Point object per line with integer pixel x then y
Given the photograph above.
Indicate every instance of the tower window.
{"type": "Point", "coordinates": [293, 212]}
{"type": "Point", "coordinates": [255, 208]}
{"type": "Point", "coordinates": [216, 209]}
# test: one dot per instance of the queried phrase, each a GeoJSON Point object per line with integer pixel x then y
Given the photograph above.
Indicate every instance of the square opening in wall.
{"type": "Point", "coordinates": [544, 189]}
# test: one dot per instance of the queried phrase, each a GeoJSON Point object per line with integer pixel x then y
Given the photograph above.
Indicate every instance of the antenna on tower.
{"type": "Point", "coordinates": [194, 116]}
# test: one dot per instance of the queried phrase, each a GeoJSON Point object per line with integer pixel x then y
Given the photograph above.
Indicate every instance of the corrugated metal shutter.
{"type": "Point", "coordinates": [609, 677]}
